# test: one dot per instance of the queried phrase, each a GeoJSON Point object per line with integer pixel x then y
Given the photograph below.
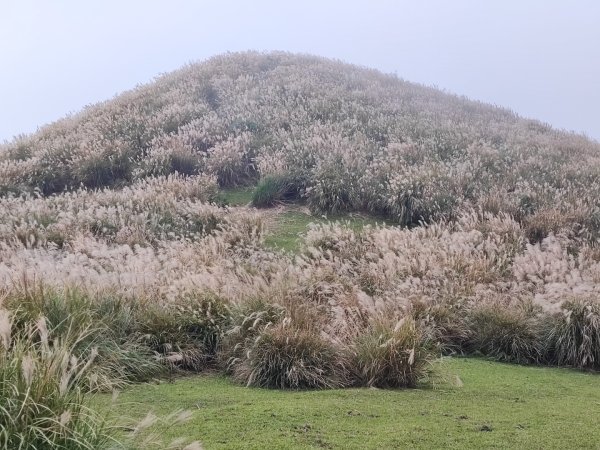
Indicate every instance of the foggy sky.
{"type": "Point", "coordinates": [538, 58]}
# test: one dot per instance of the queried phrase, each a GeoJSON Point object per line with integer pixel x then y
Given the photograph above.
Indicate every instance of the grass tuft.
{"type": "Point", "coordinates": [574, 334]}
{"type": "Point", "coordinates": [393, 354]}
{"type": "Point", "coordinates": [286, 357]}
{"type": "Point", "coordinates": [273, 189]}
{"type": "Point", "coordinates": [42, 401]}
{"type": "Point", "coordinates": [506, 334]}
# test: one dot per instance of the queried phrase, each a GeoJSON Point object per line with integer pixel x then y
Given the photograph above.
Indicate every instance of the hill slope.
{"type": "Point", "coordinates": [345, 138]}
{"type": "Point", "coordinates": [119, 262]}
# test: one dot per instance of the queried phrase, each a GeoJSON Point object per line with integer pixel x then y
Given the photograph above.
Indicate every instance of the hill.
{"type": "Point", "coordinates": [168, 231]}
{"type": "Point", "coordinates": [343, 137]}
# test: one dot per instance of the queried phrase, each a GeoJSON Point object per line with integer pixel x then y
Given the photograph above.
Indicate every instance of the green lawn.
{"type": "Point", "coordinates": [240, 196]}
{"type": "Point", "coordinates": [293, 222]}
{"type": "Point", "coordinates": [497, 406]}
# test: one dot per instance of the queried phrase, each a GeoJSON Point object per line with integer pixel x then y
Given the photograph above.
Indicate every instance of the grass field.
{"type": "Point", "coordinates": [493, 405]}
{"type": "Point", "coordinates": [238, 196]}
{"type": "Point", "coordinates": [497, 406]}
{"type": "Point", "coordinates": [168, 228]}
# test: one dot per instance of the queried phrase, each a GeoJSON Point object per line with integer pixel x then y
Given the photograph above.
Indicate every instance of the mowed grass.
{"type": "Point", "coordinates": [497, 406]}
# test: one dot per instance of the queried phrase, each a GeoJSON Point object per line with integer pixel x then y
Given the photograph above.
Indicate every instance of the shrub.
{"type": "Point", "coordinates": [286, 357]}
{"type": "Point", "coordinates": [272, 189]}
{"type": "Point", "coordinates": [393, 354]}
{"type": "Point", "coordinates": [574, 334]}
{"type": "Point", "coordinates": [185, 335]}
{"type": "Point", "coordinates": [506, 334]}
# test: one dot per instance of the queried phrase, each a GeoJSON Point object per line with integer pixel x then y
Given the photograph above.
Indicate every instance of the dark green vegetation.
{"type": "Point", "coordinates": [274, 189]}
{"type": "Point", "coordinates": [497, 406]}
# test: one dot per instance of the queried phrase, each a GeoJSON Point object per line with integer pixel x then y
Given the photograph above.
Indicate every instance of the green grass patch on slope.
{"type": "Point", "coordinates": [497, 406]}
{"type": "Point", "coordinates": [285, 234]}
{"type": "Point", "coordinates": [289, 226]}
{"type": "Point", "coordinates": [239, 196]}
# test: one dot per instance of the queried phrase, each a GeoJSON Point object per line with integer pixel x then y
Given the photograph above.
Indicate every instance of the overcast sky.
{"type": "Point", "coordinates": [540, 58]}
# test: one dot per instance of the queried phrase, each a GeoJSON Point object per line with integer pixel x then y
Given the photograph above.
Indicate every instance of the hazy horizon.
{"type": "Point", "coordinates": [539, 59]}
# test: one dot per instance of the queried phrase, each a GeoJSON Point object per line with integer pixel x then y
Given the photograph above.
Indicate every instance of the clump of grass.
{"type": "Point", "coordinates": [508, 334]}
{"type": "Point", "coordinates": [104, 324]}
{"type": "Point", "coordinates": [42, 401]}
{"type": "Point", "coordinates": [184, 163]}
{"type": "Point", "coordinates": [447, 322]}
{"type": "Point", "coordinates": [185, 335]}
{"type": "Point", "coordinates": [170, 341]}
{"type": "Point", "coordinates": [104, 169]}
{"type": "Point", "coordinates": [287, 357]}
{"type": "Point", "coordinates": [273, 189]}
{"type": "Point", "coordinates": [393, 354]}
{"type": "Point", "coordinates": [206, 317]}
{"type": "Point", "coordinates": [247, 322]}
{"type": "Point", "coordinates": [574, 334]}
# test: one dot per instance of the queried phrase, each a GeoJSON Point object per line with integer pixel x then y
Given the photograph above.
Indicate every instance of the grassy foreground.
{"type": "Point", "coordinates": [497, 406]}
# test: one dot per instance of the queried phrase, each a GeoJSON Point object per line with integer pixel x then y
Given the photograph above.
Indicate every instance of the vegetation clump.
{"type": "Point", "coordinates": [42, 391]}
{"type": "Point", "coordinates": [574, 334]}
{"type": "Point", "coordinates": [393, 355]}
{"type": "Point", "coordinates": [287, 357]}
{"type": "Point", "coordinates": [506, 334]}
{"type": "Point", "coordinates": [273, 189]}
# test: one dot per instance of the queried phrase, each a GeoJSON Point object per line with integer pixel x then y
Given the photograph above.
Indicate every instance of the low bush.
{"type": "Point", "coordinates": [393, 354]}
{"type": "Point", "coordinates": [273, 189]}
{"type": "Point", "coordinates": [286, 357]}
{"type": "Point", "coordinates": [573, 335]}
{"type": "Point", "coordinates": [506, 334]}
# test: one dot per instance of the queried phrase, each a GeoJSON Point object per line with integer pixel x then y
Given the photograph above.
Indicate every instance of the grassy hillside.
{"type": "Point", "coordinates": [346, 138]}
{"type": "Point", "coordinates": [291, 222]}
